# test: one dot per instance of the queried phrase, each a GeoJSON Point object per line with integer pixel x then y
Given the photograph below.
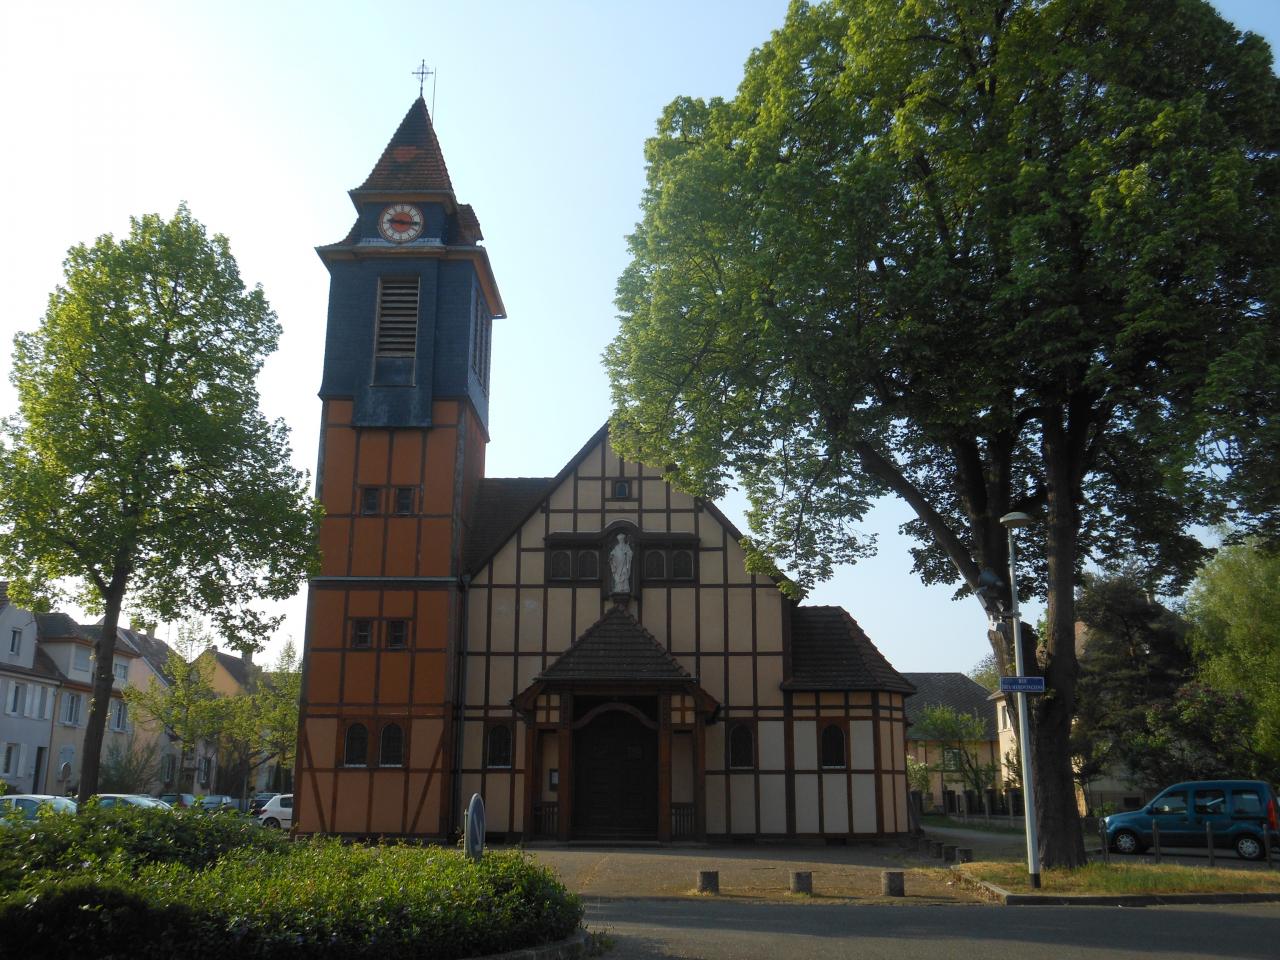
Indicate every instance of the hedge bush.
{"type": "Point", "coordinates": [135, 896]}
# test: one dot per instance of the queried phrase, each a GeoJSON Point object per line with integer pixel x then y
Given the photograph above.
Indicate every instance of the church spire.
{"type": "Point", "coordinates": [412, 161]}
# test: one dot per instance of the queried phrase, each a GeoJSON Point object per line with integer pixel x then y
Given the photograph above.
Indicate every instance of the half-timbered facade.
{"type": "Point", "coordinates": [587, 651]}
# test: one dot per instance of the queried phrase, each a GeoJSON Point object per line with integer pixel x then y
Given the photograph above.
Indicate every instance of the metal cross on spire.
{"type": "Point", "coordinates": [422, 73]}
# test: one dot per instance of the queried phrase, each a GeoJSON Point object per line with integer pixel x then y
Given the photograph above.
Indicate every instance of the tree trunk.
{"type": "Point", "coordinates": [104, 650]}
{"type": "Point", "coordinates": [1057, 816]}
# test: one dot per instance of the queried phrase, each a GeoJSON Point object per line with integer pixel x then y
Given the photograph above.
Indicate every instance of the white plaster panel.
{"type": "Point", "coordinates": [711, 534]}
{"type": "Point", "coordinates": [768, 680]}
{"type": "Point", "coordinates": [475, 679]}
{"type": "Point", "coordinates": [710, 567]}
{"type": "Point", "coordinates": [612, 464]}
{"type": "Point", "coordinates": [772, 745]}
{"type": "Point", "coordinates": [773, 803]}
{"type": "Point", "coordinates": [502, 632]}
{"type": "Point", "coordinates": [806, 803]}
{"type": "Point", "coordinates": [504, 563]}
{"type": "Point", "coordinates": [477, 619]}
{"type": "Point", "coordinates": [472, 744]}
{"type": "Point", "coordinates": [654, 617]}
{"type": "Point", "coordinates": [590, 609]}
{"type": "Point", "coordinates": [682, 618]}
{"type": "Point", "coordinates": [862, 744]}
{"type": "Point", "coordinates": [559, 619]}
{"type": "Point", "coordinates": [864, 803]}
{"type": "Point", "coordinates": [737, 561]}
{"type": "Point", "coordinates": [653, 521]}
{"type": "Point", "coordinates": [654, 493]}
{"type": "Point", "coordinates": [768, 620]}
{"type": "Point", "coordinates": [899, 762]}
{"type": "Point", "coordinates": [589, 495]}
{"type": "Point", "coordinates": [711, 620]}
{"type": "Point", "coordinates": [740, 620]}
{"type": "Point", "coordinates": [533, 566]}
{"type": "Point", "coordinates": [562, 495]}
{"type": "Point", "coordinates": [469, 782]}
{"type": "Point", "coordinates": [501, 680]}
{"type": "Point", "coordinates": [835, 803]}
{"type": "Point", "coordinates": [806, 744]}
{"type": "Point", "coordinates": [715, 747]}
{"type": "Point", "coordinates": [886, 746]}
{"type": "Point", "coordinates": [529, 667]}
{"type": "Point", "coordinates": [530, 620]}
{"type": "Point", "coordinates": [560, 522]}
{"type": "Point", "coordinates": [682, 768]}
{"type": "Point", "coordinates": [711, 676]}
{"type": "Point", "coordinates": [497, 801]}
{"type": "Point", "coordinates": [900, 785]}
{"type": "Point", "coordinates": [715, 805]}
{"type": "Point", "coordinates": [742, 793]}
{"type": "Point", "coordinates": [741, 682]}
{"type": "Point", "coordinates": [680, 522]}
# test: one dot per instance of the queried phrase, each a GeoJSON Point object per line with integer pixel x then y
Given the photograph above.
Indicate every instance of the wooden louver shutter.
{"type": "Point", "coordinates": [397, 318]}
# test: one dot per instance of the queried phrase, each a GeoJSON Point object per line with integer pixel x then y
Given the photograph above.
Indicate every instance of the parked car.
{"type": "Point", "coordinates": [278, 812]}
{"type": "Point", "coordinates": [217, 801]}
{"type": "Point", "coordinates": [1239, 811]}
{"type": "Point", "coordinates": [27, 806]}
{"type": "Point", "coordinates": [179, 799]}
{"type": "Point", "coordinates": [108, 800]}
{"type": "Point", "coordinates": [259, 801]}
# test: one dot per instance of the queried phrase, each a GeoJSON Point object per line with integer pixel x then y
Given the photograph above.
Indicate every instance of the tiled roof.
{"type": "Point", "coordinates": [616, 648]}
{"type": "Point", "coordinates": [829, 651]}
{"type": "Point", "coordinates": [59, 626]}
{"type": "Point", "coordinates": [502, 503]}
{"type": "Point", "coordinates": [154, 650]}
{"type": "Point", "coordinates": [43, 668]}
{"type": "Point", "coordinates": [123, 645]}
{"type": "Point", "coordinates": [954, 690]}
{"type": "Point", "coordinates": [412, 160]}
{"type": "Point", "coordinates": [466, 227]}
{"type": "Point", "coordinates": [238, 667]}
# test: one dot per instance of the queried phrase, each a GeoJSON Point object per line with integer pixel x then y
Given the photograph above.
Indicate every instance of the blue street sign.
{"type": "Point", "coordinates": [1022, 684]}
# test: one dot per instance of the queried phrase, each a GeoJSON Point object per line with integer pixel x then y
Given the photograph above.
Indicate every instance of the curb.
{"type": "Point", "coordinates": [1010, 899]}
{"type": "Point", "coordinates": [569, 949]}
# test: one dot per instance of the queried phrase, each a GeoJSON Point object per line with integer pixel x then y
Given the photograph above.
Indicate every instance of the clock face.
{"type": "Point", "coordinates": [400, 222]}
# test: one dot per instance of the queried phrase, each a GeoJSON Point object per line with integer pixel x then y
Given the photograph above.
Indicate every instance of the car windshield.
{"type": "Point", "coordinates": [146, 802]}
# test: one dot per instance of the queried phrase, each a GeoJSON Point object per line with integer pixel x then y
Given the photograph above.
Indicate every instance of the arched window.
{"type": "Point", "coordinates": [681, 565]}
{"type": "Point", "coordinates": [498, 753]}
{"type": "Point", "coordinates": [622, 489]}
{"type": "Point", "coordinates": [391, 752]}
{"type": "Point", "coordinates": [832, 749]}
{"type": "Point", "coordinates": [588, 565]}
{"type": "Point", "coordinates": [742, 754]}
{"type": "Point", "coordinates": [655, 565]}
{"type": "Point", "coordinates": [561, 565]}
{"type": "Point", "coordinates": [357, 746]}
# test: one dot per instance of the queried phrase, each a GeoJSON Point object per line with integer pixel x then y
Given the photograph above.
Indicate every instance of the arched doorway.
{"type": "Point", "coordinates": [615, 775]}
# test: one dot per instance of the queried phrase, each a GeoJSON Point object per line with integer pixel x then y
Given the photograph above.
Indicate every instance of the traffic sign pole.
{"type": "Point", "coordinates": [1024, 730]}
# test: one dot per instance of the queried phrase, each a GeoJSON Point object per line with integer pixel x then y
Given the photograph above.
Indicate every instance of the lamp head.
{"type": "Point", "coordinates": [1011, 520]}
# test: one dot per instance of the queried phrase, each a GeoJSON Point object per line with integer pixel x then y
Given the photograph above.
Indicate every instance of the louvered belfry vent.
{"type": "Point", "coordinates": [397, 318]}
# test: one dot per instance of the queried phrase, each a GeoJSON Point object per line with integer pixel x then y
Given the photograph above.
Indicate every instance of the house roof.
{"type": "Point", "coordinates": [59, 626]}
{"type": "Point", "coordinates": [93, 631]}
{"type": "Point", "coordinates": [238, 667]}
{"type": "Point", "coordinates": [502, 504]}
{"type": "Point", "coordinates": [412, 160]}
{"type": "Point", "coordinates": [955, 690]}
{"type": "Point", "coordinates": [616, 648]}
{"type": "Point", "coordinates": [4, 594]}
{"type": "Point", "coordinates": [829, 651]}
{"type": "Point", "coordinates": [42, 668]}
{"type": "Point", "coordinates": [154, 650]}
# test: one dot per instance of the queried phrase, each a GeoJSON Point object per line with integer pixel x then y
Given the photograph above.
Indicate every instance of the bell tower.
{"type": "Point", "coordinates": [405, 406]}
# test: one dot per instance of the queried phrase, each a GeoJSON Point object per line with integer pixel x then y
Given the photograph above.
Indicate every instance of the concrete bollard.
{"type": "Point", "coordinates": [949, 853]}
{"type": "Point", "coordinates": [891, 883]}
{"type": "Point", "coordinates": [802, 881]}
{"type": "Point", "coordinates": [708, 881]}
{"type": "Point", "coordinates": [964, 855]}
{"type": "Point", "coordinates": [935, 849]}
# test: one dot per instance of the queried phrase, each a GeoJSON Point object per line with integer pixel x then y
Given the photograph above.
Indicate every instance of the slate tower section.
{"type": "Point", "coordinates": [404, 425]}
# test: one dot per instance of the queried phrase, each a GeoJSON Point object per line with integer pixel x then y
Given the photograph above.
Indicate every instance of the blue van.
{"type": "Point", "coordinates": [1239, 810]}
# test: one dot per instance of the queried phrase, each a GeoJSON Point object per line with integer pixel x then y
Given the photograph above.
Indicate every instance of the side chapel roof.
{"type": "Point", "coordinates": [616, 648]}
{"type": "Point", "coordinates": [829, 651]}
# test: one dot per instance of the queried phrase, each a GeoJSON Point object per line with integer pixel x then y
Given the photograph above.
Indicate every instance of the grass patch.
{"type": "Point", "coordinates": [1126, 878]}
{"type": "Point", "coordinates": [936, 820]}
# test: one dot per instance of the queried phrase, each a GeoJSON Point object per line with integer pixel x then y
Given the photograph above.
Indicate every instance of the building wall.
{"type": "Point", "coordinates": [931, 753]}
{"type": "Point", "coordinates": [24, 732]}
{"type": "Point", "coordinates": [411, 563]}
{"type": "Point", "coordinates": [726, 629]}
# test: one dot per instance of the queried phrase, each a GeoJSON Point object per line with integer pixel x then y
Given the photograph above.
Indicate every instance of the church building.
{"type": "Point", "coordinates": [586, 651]}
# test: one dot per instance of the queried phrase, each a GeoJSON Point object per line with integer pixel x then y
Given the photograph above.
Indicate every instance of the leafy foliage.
{"type": "Point", "coordinates": [129, 767]}
{"type": "Point", "coordinates": [139, 463]}
{"type": "Point", "coordinates": [142, 885]}
{"type": "Point", "coordinates": [986, 256]}
{"type": "Point", "coordinates": [1234, 610]}
{"type": "Point", "coordinates": [1200, 734]}
{"type": "Point", "coordinates": [960, 735]}
{"type": "Point", "coordinates": [986, 672]}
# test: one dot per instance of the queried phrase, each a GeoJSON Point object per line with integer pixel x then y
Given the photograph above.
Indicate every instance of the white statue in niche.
{"type": "Point", "coordinates": [620, 565]}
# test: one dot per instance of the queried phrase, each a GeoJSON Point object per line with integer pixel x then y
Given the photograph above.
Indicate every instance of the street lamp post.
{"type": "Point", "coordinates": [1010, 521]}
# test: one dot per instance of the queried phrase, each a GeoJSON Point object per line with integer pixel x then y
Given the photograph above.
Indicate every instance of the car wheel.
{"type": "Point", "coordinates": [271, 822]}
{"type": "Point", "coordinates": [1126, 841]}
{"type": "Point", "coordinates": [1249, 847]}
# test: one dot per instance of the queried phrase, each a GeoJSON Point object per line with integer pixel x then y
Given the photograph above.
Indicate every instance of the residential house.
{"type": "Point", "coordinates": [29, 684]}
{"type": "Point", "coordinates": [947, 791]}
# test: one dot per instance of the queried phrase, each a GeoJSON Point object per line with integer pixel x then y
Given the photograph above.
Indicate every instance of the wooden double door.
{"type": "Point", "coordinates": [615, 778]}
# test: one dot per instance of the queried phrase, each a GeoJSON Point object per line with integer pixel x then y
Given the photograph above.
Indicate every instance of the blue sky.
{"type": "Point", "coordinates": [262, 115]}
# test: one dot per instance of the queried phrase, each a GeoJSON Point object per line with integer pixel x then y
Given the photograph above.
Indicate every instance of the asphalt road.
{"type": "Point", "coordinates": [710, 929]}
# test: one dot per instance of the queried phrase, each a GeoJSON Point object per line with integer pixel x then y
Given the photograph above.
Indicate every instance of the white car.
{"type": "Point", "coordinates": [26, 806]}
{"type": "Point", "coordinates": [107, 800]}
{"type": "Point", "coordinates": [278, 812]}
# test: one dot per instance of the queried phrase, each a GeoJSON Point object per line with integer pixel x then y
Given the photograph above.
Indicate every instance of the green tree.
{"type": "Point", "coordinates": [186, 706]}
{"type": "Point", "coordinates": [138, 464]}
{"type": "Point", "coordinates": [1135, 655]}
{"type": "Point", "coordinates": [1201, 734]}
{"type": "Point", "coordinates": [961, 736]}
{"type": "Point", "coordinates": [259, 727]}
{"type": "Point", "coordinates": [986, 256]}
{"type": "Point", "coordinates": [986, 672]}
{"type": "Point", "coordinates": [1234, 609]}
{"type": "Point", "coordinates": [129, 767]}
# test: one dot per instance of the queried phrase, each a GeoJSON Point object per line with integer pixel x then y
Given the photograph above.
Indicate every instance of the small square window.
{"type": "Point", "coordinates": [621, 490]}
{"type": "Point", "coordinates": [404, 501]}
{"type": "Point", "coordinates": [369, 500]}
{"type": "Point", "coordinates": [361, 633]}
{"type": "Point", "coordinates": [397, 633]}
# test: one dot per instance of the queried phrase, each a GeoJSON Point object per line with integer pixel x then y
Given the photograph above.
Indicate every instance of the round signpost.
{"type": "Point", "coordinates": [473, 837]}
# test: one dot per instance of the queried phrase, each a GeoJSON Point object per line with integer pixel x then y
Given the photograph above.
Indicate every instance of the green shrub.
{"type": "Point", "coordinates": [313, 900]}
{"type": "Point", "coordinates": [133, 834]}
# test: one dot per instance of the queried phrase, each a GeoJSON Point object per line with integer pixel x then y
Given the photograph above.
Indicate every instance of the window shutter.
{"type": "Point", "coordinates": [397, 318]}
